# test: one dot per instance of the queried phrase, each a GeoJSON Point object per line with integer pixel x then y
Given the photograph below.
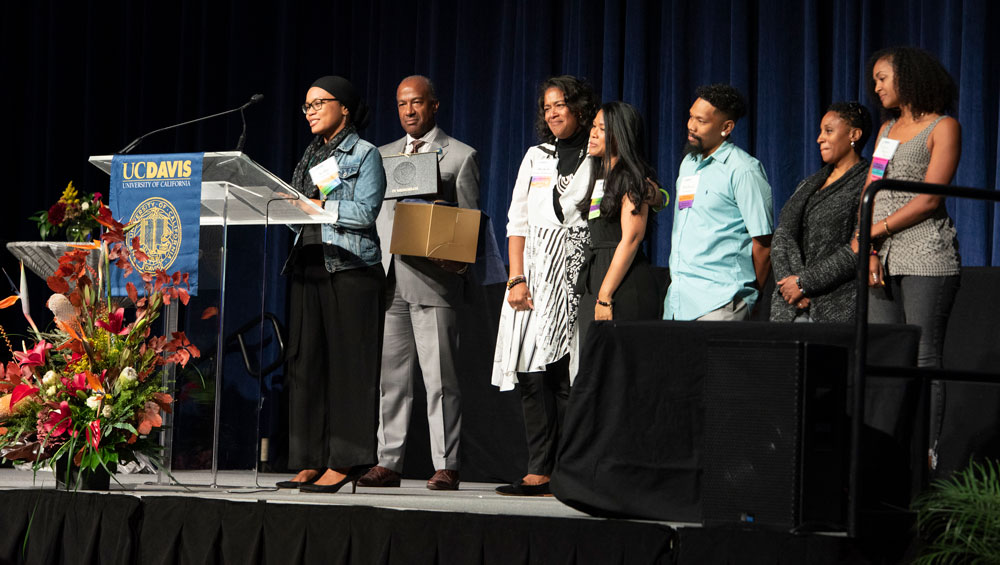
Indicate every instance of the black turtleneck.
{"type": "Point", "coordinates": [571, 151]}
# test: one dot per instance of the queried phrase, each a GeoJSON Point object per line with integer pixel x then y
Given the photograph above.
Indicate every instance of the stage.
{"type": "Point", "coordinates": [140, 521]}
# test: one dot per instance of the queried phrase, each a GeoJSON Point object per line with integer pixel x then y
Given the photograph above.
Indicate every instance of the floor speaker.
{"type": "Point", "coordinates": [775, 435]}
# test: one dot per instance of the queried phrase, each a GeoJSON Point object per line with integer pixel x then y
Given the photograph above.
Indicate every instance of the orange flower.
{"type": "Point", "coordinates": [149, 418]}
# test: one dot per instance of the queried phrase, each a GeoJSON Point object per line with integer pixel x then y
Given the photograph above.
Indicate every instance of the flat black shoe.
{"type": "Point", "coordinates": [352, 477]}
{"type": "Point", "coordinates": [521, 489]}
{"type": "Point", "coordinates": [299, 484]}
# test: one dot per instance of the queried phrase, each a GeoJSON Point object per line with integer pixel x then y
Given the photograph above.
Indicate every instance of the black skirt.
{"type": "Point", "coordinates": [637, 297]}
{"type": "Point", "coordinates": [334, 360]}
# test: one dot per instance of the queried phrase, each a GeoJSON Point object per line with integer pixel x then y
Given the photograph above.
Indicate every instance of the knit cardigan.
{"type": "Point", "coordinates": [812, 242]}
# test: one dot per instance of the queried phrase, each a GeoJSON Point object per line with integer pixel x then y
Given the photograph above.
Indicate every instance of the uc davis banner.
{"type": "Point", "coordinates": [161, 195]}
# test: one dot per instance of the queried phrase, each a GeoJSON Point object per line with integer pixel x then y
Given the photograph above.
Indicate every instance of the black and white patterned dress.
{"type": "Point", "coordinates": [529, 340]}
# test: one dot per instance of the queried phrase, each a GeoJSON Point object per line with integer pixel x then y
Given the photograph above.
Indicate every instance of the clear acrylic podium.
{"type": "Point", "coordinates": [235, 191]}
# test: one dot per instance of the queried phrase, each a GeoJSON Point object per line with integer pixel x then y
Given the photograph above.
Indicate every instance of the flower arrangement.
{"type": "Point", "coordinates": [87, 391]}
{"type": "Point", "coordinates": [77, 214]}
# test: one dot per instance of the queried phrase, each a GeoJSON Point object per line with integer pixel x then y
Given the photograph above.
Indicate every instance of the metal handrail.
{"type": "Point", "coordinates": [861, 336]}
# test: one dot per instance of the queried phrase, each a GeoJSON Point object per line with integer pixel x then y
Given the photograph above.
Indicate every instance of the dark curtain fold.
{"type": "Point", "coordinates": [49, 526]}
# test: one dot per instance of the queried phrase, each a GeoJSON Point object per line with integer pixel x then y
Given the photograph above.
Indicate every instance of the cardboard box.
{"type": "Point", "coordinates": [441, 232]}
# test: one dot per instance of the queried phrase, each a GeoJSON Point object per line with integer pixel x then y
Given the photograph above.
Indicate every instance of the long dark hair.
{"type": "Point", "coordinates": [922, 82]}
{"type": "Point", "coordinates": [624, 139]}
{"type": "Point", "coordinates": [580, 98]}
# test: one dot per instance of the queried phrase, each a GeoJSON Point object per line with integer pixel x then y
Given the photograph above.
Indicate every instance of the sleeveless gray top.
{"type": "Point", "coordinates": [930, 248]}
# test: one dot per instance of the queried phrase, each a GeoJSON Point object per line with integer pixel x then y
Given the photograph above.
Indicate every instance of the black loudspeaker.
{"type": "Point", "coordinates": [775, 435]}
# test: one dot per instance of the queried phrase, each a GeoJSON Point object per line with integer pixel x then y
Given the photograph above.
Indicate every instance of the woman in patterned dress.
{"type": "Point", "coordinates": [546, 235]}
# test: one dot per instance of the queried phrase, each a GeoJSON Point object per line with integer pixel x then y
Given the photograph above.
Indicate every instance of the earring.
{"type": "Point", "coordinates": [724, 134]}
{"type": "Point", "coordinates": [852, 144]}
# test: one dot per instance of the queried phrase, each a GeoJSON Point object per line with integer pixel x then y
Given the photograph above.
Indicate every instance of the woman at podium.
{"type": "Point", "coordinates": [337, 297]}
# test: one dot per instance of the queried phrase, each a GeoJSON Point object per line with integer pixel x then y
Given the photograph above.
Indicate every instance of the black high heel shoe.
{"type": "Point", "coordinates": [300, 484]}
{"type": "Point", "coordinates": [352, 477]}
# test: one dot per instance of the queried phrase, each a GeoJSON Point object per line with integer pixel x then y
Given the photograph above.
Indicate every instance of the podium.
{"type": "Point", "coordinates": [235, 191]}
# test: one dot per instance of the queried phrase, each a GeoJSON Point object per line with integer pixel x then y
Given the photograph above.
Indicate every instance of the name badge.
{"type": "Point", "coordinates": [686, 190]}
{"type": "Point", "coordinates": [326, 175]}
{"type": "Point", "coordinates": [884, 151]}
{"type": "Point", "coordinates": [595, 200]}
{"type": "Point", "coordinates": [543, 174]}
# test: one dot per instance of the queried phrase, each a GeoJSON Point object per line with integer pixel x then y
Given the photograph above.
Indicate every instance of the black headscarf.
{"type": "Point", "coordinates": [346, 94]}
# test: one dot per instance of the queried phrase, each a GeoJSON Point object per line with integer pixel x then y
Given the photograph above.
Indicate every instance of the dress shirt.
{"type": "Point", "coordinates": [427, 139]}
{"type": "Point", "coordinates": [710, 247]}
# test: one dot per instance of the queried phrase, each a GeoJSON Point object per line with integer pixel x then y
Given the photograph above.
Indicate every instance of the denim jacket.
{"type": "Point", "coordinates": [351, 241]}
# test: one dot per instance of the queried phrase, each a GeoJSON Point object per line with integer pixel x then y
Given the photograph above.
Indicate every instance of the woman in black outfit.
{"type": "Point", "coordinates": [337, 297]}
{"type": "Point", "coordinates": [811, 255]}
{"type": "Point", "coordinates": [616, 282]}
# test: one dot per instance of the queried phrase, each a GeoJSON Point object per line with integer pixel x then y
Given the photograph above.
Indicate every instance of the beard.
{"type": "Point", "coordinates": [693, 148]}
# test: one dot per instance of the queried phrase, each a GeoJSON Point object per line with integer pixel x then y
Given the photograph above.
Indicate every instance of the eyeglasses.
{"type": "Point", "coordinates": [316, 104]}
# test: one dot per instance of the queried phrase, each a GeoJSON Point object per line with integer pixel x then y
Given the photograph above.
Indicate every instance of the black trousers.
{"type": "Point", "coordinates": [544, 396]}
{"type": "Point", "coordinates": [334, 359]}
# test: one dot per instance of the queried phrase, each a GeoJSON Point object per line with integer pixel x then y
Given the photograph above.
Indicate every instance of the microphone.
{"type": "Point", "coordinates": [243, 135]}
{"type": "Point", "coordinates": [253, 100]}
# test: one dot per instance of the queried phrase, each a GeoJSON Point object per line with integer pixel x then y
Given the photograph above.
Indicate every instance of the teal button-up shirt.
{"type": "Point", "coordinates": [710, 260]}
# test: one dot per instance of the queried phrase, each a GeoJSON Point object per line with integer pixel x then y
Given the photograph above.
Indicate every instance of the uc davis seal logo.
{"type": "Point", "coordinates": [158, 226]}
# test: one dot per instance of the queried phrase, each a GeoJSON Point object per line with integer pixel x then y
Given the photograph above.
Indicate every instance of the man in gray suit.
{"type": "Point", "coordinates": [421, 324]}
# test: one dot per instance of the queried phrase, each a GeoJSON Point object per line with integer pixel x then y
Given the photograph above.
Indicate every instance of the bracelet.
{"type": "Point", "coordinates": [605, 304]}
{"type": "Point", "coordinates": [885, 224]}
{"type": "Point", "coordinates": [516, 281]}
{"type": "Point", "coordinates": [798, 283]}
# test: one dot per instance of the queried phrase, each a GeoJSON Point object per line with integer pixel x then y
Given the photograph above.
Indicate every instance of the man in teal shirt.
{"type": "Point", "coordinates": [720, 250]}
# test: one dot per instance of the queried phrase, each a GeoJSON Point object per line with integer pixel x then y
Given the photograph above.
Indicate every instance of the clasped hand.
{"type": "Point", "coordinates": [791, 292]}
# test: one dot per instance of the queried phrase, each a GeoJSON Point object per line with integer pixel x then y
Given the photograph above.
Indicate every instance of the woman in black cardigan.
{"type": "Point", "coordinates": [810, 253]}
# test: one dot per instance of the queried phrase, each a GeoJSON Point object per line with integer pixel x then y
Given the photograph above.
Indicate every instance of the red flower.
{"type": "Point", "coordinates": [21, 392]}
{"type": "Point", "coordinates": [94, 433]}
{"type": "Point", "coordinates": [57, 421]}
{"type": "Point", "coordinates": [79, 382]}
{"type": "Point", "coordinates": [57, 213]}
{"type": "Point", "coordinates": [35, 357]}
{"type": "Point", "coordinates": [114, 323]}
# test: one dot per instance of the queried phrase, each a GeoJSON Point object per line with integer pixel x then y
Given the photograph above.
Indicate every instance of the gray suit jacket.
{"type": "Point", "coordinates": [419, 280]}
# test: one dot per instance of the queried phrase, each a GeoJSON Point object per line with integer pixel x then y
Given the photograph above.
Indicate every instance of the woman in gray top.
{"type": "Point", "coordinates": [812, 261]}
{"type": "Point", "coordinates": [915, 275]}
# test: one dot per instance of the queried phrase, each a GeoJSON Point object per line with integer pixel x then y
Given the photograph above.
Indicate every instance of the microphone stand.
{"type": "Point", "coordinates": [253, 100]}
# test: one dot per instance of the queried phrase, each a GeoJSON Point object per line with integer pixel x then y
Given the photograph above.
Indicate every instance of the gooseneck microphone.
{"type": "Point", "coordinates": [243, 134]}
{"type": "Point", "coordinates": [253, 100]}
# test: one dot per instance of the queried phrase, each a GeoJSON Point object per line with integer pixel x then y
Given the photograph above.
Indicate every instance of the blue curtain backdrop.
{"type": "Point", "coordinates": [85, 78]}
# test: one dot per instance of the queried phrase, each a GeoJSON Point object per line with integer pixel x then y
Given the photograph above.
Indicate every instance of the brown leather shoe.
{"type": "Point", "coordinates": [444, 479]}
{"type": "Point", "coordinates": [379, 476]}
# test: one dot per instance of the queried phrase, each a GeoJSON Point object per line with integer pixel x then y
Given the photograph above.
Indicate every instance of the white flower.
{"type": "Point", "coordinates": [85, 206]}
{"type": "Point", "coordinates": [93, 402]}
{"type": "Point", "coordinates": [51, 391]}
{"type": "Point", "coordinates": [50, 378]}
{"type": "Point", "coordinates": [129, 375]}
{"type": "Point", "coordinates": [107, 412]}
